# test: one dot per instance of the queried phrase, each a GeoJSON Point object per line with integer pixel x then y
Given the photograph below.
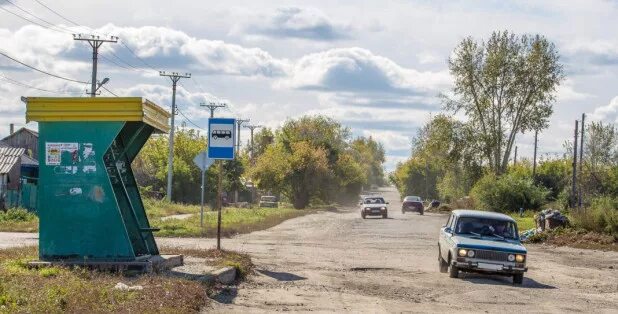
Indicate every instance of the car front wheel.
{"type": "Point", "coordinates": [518, 279]}
{"type": "Point", "coordinates": [453, 271]}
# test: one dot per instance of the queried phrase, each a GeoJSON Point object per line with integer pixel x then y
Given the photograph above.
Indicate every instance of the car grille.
{"type": "Point", "coordinates": [491, 255]}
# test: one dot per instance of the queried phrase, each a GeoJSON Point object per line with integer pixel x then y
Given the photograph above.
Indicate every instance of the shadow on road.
{"type": "Point", "coordinates": [500, 280]}
{"type": "Point", "coordinates": [281, 276]}
{"type": "Point", "coordinates": [225, 295]}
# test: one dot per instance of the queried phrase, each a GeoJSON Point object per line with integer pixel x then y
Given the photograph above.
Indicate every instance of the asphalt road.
{"type": "Point", "coordinates": [338, 262]}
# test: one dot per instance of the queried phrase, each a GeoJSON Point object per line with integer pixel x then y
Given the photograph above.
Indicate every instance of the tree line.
{"type": "Point", "coordinates": [504, 87]}
{"type": "Point", "coordinates": [311, 160]}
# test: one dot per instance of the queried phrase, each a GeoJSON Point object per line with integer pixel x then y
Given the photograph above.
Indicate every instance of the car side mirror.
{"type": "Point", "coordinates": [448, 230]}
{"type": "Point", "coordinates": [387, 202]}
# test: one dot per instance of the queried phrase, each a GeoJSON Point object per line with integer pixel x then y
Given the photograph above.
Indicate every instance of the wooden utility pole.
{"type": "Point", "coordinates": [574, 185]}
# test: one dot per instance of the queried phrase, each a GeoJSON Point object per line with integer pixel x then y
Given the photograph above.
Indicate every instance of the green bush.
{"type": "Point", "coordinates": [508, 193]}
{"type": "Point", "coordinates": [601, 216]}
{"type": "Point", "coordinates": [17, 214]}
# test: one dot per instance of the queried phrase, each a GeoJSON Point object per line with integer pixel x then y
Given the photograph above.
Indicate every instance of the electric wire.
{"type": "Point", "coordinates": [39, 18]}
{"type": "Point", "coordinates": [42, 71]}
{"type": "Point", "coordinates": [31, 21]}
{"type": "Point", "coordinates": [189, 120]}
{"type": "Point", "coordinates": [58, 14]}
{"type": "Point", "coordinates": [109, 91]}
{"type": "Point", "coordinates": [68, 31]}
{"type": "Point", "coordinates": [22, 84]}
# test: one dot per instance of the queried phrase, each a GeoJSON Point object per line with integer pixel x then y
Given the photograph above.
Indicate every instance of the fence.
{"type": "Point", "coordinates": [25, 196]}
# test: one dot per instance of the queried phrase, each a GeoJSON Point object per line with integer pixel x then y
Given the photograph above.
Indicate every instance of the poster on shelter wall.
{"type": "Point", "coordinates": [53, 152]}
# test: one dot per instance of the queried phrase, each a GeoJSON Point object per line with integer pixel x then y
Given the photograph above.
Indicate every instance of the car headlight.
{"type": "Point", "coordinates": [470, 253]}
{"type": "Point", "coordinates": [520, 258]}
{"type": "Point", "coordinates": [511, 257]}
{"type": "Point", "coordinates": [367, 208]}
{"type": "Point", "coordinates": [383, 208]}
{"type": "Point", "coordinates": [462, 252]}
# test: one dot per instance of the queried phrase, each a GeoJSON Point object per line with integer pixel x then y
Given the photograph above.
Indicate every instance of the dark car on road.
{"type": "Point", "coordinates": [412, 204]}
{"type": "Point", "coordinates": [373, 206]}
{"type": "Point", "coordinates": [479, 241]}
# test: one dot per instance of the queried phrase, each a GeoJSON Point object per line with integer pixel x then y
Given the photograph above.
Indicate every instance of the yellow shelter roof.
{"type": "Point", "coordinates": [97, 109]}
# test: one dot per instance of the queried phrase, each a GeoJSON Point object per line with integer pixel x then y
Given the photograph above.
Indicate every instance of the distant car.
{"type": "Point", "coordinates": [478, 241]}
{"type": "Point", "coordinates": [412, 204]}
{"type": "Point", "coordinates": [269, 201]}
{"type": "Point", "coordinates": [373, 206]}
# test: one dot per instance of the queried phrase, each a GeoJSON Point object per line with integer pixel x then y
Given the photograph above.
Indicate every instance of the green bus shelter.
{"type": "Point", "coordinates": [90, 208]}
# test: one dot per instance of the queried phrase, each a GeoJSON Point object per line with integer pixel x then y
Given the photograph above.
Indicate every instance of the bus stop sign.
{"type": "Point", "coordinates": [221, 138]}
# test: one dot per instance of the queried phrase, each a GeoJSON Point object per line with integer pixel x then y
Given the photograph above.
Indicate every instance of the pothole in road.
{"type": "Point", "coordinates": [370, 268]}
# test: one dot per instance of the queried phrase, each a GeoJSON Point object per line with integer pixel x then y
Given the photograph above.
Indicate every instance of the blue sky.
{"type": "Point", "coordinates": [376, 66]}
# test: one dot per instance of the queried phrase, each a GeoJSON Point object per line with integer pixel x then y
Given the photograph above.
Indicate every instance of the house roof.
{"type": "Point", "coordinates": [20, 130]}
{"type": "Point", "coordinates": [9, 157]}
{"type": "Point", "coordinates": [28, 161]}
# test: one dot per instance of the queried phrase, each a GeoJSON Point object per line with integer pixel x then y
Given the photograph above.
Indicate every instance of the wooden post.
{"type": "Point", "coordinates": [219, 203]}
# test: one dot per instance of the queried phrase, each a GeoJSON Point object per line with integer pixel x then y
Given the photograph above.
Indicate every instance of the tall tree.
{"type": "Point", "coordinates": [505, 86]}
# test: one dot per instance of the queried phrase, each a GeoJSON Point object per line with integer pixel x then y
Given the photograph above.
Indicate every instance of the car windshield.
{"type": "Point", "coordinates": [486, 227]}
{"type": "Point", "coordinates": [374, 200]}
{"type": "Point", "coordinates": [412, 199]}
{"type": "Point", "coordinates": [268, 198]}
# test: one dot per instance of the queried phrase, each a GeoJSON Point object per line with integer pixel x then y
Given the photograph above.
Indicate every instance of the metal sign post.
{"type": "Point", "coordinates": [221, 137]}
{"type": "Point", "coordinates": [203, 162]}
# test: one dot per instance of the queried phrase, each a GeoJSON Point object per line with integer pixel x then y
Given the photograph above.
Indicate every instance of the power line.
{"type": "Point", "coordinates": [189, 120]}
{"type": "Point", "coordinates": [31, 21]}
{"type": "Point", "coordinates": [58, 14]}
{"type": "Point", "coordinates": [41, 71]}
{"type": "Point", "coordinates": [22, 84]}
{"type": "Point", "coordinates": [39, 18]}
{"type": "Point", "coordinates": [109, 91]}
{"type": "Point", "coordinates": [136, 56]}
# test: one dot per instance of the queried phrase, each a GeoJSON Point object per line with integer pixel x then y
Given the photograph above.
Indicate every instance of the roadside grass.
{"type": "Point", "coordinates": [76, 290]}
{"type": "Point", "coordinates": [18, 220]}
{"type": "Point", "coordinates": [241, 261]}
{"type": "Point", "coordinates": [525, 222]}
{"type": "Point", "coordinates": [161, 208]}
{"type": "Point", "coordinates": [233, 221]}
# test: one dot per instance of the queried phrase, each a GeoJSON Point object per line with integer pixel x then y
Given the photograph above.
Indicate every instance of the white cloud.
{"type": "Point", "coordinates": [293, 22]}
{"type": "Point", "coordinates": [171, 48]}
{"type": "Point", "coordinates": [566, 92]}
{"type": "Point", "coordinates": [608, 113]}
{"type": "Point", "coordinates": [359, 70]}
